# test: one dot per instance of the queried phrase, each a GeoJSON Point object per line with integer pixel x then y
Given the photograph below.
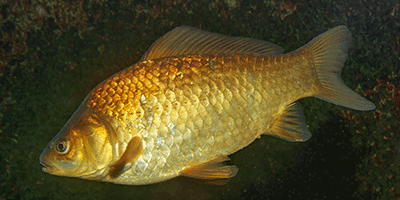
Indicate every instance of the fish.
{"type": "Point", "coordinates": [193, 99]}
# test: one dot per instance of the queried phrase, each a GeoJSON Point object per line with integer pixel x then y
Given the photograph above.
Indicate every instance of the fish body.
{"type": "Point", "coordinates": [193, 99]}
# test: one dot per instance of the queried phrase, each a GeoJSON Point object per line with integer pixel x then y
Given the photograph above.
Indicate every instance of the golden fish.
{"type": "Point", "coordinates": [194, 98]}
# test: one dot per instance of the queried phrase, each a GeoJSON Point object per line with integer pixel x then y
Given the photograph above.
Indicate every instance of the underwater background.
{"type": "Point", "coordinates": [52, 53]}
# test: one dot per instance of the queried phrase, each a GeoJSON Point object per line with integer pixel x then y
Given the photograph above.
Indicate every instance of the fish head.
{"type": "Point", "coordinates": [82, 148]}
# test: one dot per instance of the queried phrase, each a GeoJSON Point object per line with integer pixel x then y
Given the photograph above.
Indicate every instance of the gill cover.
{"type": "Point", "coordinates": [81, 148]}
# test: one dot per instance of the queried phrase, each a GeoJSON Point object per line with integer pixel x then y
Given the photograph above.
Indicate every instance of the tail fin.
{"type": "Point", "coordinates": [329, 50]}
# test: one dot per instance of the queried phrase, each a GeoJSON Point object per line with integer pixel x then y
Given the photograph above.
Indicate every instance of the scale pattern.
{"type": "Point", "coordinates": [189, 110]}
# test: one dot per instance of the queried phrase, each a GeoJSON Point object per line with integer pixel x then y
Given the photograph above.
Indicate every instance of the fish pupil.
{"type": "Point", "coordinates": [61, 147]}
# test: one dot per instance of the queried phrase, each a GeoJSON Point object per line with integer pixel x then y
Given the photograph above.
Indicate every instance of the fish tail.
{"type": "Point", "coordinates": [329, 51]}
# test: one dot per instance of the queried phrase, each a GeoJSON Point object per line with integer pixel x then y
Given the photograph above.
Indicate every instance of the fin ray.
{"type": "Point", "coordinates": [222, 181]}
{"type": "Point", "coordinates": [185, 40]}
{"type": "Point", "coordinates": [133, 151]}
{"type": "Point", "coordinates": [329, 51]}
{"type": "Point", "coordinates": [291, 125]}
{"type": "Point", "coordinates": [213, 169]}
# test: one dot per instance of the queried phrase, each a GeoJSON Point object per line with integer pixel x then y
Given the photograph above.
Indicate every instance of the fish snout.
{"type": "Point", "coordinates": [47, 166]}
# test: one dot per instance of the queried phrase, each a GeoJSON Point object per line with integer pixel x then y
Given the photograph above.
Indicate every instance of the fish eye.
{"type": "Point", "coordinates": [62, 147]}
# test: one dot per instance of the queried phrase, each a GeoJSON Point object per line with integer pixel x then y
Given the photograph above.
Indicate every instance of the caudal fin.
{"type": "Point", "coordinates": [329, 51]}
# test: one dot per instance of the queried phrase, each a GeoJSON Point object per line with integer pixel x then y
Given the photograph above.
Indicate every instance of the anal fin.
{"type": "Point", "coordinates": [213, 169]}
{"type": "Point", "coordinates": [291, 124]}
{"type": "Point", "coordinates": [133, 151]}
{"type": "Point", "coordinates": [221, 181]}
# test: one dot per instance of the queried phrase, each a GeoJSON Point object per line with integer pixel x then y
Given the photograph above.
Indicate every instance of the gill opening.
{"type": "Point", "coordinates": [112, 135]}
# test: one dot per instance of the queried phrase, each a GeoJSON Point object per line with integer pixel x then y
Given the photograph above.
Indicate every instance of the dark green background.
{"type": "Point", "coordinates": [52, 53]}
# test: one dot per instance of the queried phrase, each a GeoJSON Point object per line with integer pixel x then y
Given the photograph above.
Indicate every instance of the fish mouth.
{"type": "Point", "coordinates": [47, 167]}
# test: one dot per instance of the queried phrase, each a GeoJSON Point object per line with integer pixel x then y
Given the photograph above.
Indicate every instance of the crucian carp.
{"type": "Point", "coordinates": [194, 98]}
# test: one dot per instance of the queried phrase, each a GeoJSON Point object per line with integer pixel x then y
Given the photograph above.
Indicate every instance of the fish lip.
{"type": "Point", "coordinates": [47, 167]}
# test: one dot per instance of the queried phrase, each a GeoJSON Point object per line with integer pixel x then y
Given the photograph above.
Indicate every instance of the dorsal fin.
{"type": "Point", "coordinates": [185, 40]}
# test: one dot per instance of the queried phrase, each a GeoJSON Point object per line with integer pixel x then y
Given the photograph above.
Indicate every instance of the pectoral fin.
{"type": "Point", "coordinates": [133, 151]}
{"type": "Point", "coordinates": [291, 124]}
{"type": "Point", "coordinates": [213, 169]}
